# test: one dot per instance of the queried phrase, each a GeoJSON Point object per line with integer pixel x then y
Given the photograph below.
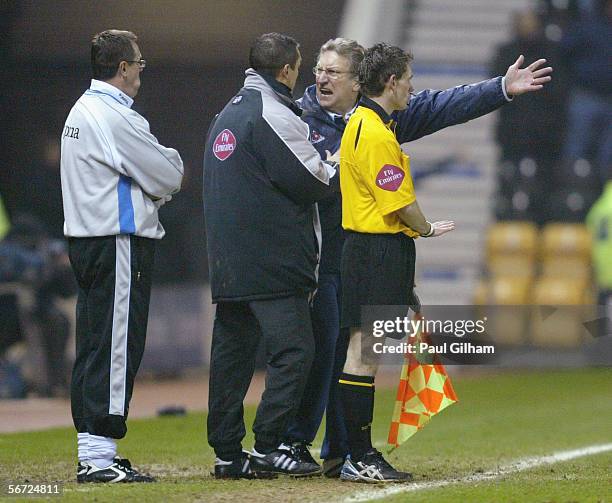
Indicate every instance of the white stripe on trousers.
{"type": "Point", "coordinates": [121, 314]}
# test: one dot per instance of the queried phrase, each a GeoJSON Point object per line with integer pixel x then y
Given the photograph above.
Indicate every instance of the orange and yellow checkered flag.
{"type": "Point", "coordinates": [424, 390]}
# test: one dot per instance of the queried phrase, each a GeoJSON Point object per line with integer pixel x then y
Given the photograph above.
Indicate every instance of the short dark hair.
{"type": "Point", "coordinates": [379, 63]}
{"type": "Point", "coordinates": [272, 51]}
{"type": "Point", "coordinates": [108, 49]}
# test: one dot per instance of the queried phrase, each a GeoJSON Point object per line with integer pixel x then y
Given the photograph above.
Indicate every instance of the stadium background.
{"type": "Point", "coordinates": [196, 53]}
{"type": "Point", "coordinates": [505, 167]}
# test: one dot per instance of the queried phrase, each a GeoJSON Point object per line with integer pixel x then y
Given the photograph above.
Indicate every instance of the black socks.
{"type": "Point", "coordinates": [357, 395]}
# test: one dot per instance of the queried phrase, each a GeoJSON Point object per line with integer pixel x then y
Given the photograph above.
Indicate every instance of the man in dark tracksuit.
{"type": "Point", "coordinates": [261, 180]}
{"type": "Point", "coordinates": [327, 105]}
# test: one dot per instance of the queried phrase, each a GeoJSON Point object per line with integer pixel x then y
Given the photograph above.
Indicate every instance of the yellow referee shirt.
{"type": "Point", "coordinates": [375, 177]}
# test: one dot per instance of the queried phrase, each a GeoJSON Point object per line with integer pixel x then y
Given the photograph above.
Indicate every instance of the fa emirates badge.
{"type": "Point", "coordinates": [224, 145]}
{"type": "Point", "coordinates": [390, 178]}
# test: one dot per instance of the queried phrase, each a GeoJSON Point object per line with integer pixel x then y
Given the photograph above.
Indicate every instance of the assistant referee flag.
{"type": "Point", "coordinates": [424, 390]}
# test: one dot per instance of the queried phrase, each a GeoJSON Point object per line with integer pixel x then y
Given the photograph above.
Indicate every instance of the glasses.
{"type": "Point", "coordinates": [142, 63]}
{"type": "Point", "coordinates": [331, 73]}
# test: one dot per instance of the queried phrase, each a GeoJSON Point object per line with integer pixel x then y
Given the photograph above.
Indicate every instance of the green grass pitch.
{"type": "Point", "coordinates": [499, 418]}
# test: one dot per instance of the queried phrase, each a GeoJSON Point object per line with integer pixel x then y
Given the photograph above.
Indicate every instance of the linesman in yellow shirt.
{"type": "Point", "coordinates": [382, 217]}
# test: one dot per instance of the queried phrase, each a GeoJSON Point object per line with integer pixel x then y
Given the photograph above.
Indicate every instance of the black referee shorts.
{"type": "Point", "coordinates": [377, 270]}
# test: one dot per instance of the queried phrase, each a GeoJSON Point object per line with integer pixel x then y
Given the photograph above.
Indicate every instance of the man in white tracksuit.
{"type": "Point", "coordinates": [115, 176]}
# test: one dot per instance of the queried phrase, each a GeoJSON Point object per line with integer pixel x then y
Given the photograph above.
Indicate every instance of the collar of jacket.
{"type": "Point", "coordinates": [311, 106]}
{"type": "Point", "coordinates": [364, 101]}
{"type": "Point", "coordinates": [101, 87]}
{"type": "Point", "coordinates": [270, 85]}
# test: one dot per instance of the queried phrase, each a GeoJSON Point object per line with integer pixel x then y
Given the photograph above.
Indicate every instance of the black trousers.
{"type": "Point", "coordinates": [285, 326]}
{"type": "Point", "coordinates": [114, 279]}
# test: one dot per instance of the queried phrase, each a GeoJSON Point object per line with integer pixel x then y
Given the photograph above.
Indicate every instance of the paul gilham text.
{"type": "Point", "coordinates": [455, 348]}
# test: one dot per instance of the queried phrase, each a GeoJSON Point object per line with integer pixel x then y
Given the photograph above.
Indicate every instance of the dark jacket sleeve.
{"type": "Point", "coordinates": [429, 111]}
{"type": "Point", "coordinates": [291, 162]}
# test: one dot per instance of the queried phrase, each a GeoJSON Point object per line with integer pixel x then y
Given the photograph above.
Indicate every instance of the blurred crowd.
{"type": "Point", "coordinates": [556, 154]}
{"type": "Point", "coordinates": [34, 276]}
{"type": "Point", "coordinates": [556, 146]}
{"type": "Point", "coordinates": [556, 159]}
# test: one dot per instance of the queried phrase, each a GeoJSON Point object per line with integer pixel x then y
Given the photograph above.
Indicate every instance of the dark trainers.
{"type": "Point", "coordinates": [332, 467]}
{"type": "Point", "coordinates": [372, 468]}
{"type": "Point", "coordinates": [81, 470]}
{"type": "Point", "coordinates": [284, 460]}
{"type": "Point", "coordinates": [120, 471]}
{"type": "Point", "coordinates": [239, 468]}
{"type": "Point", "coordinates": [302, 454]}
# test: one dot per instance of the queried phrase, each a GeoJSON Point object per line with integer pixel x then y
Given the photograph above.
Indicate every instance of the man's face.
{"type": "Point", "coordinates": [132, 80]}
{"type": "Point", "coordinates": [403, 89]}
{"type": "Point", "coordinates": [294, 72]}
{"type": "Point", "coordinates": [337, 88]}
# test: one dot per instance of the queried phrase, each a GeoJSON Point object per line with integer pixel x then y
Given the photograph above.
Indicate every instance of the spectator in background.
{"type": "Point", "coordinates": [19, 260]}
{"type": "Point", "coordinates": [17, 264]}
{"type": "Point", "coordinates": [599, 221]}
{"type": "Point", "coordinates": [530, 132]}
{"type": "Point", "coordinates": [530, 127]}
{"type": "Point", "coordinates": [586, 49]}
{"type": "Point", "coordinates": [28, 256]}
{"type": "Point", "coordinates": [586, 7]}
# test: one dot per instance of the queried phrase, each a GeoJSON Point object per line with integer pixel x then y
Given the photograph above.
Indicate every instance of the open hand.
{"type": "Point", "coordinates": [442, 227]}
{"type": "Point", "coordinates": [523, 80]}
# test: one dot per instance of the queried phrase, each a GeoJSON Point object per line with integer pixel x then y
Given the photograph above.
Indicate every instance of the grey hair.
{"type": "Point", "coordinates": [346, 48]}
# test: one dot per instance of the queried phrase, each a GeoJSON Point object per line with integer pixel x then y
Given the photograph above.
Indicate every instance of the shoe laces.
{"type": "Point", "coordinates": [292, 451]}
{"type": "Point", "coordinates": [124, 463]}
{"type": "Point", "coordinates": [300, 447]}
{"type": "Point", "coordinates": [377, 456]}
{"type": "Point", "coordinates": [299, 451]}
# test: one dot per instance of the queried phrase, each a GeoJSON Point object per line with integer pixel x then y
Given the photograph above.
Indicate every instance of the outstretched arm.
{"type": "Point", "coordinates": [430, 111]}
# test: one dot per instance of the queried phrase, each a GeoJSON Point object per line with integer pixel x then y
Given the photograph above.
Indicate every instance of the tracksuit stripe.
{"type": "Point", "coordinates": [126, 208]}
{"type": "Point", "coordinates": [121, 313]}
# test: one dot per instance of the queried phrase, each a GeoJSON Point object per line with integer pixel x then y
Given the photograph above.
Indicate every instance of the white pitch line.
{"type": "Point", "coordinates": [517, 466]}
